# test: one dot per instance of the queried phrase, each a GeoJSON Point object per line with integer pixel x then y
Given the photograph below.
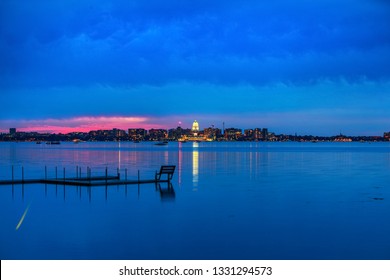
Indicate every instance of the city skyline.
{"type": "Point", "coordinates": [182, 134]}
{"type": "Point", "coordinates": [306, 67]}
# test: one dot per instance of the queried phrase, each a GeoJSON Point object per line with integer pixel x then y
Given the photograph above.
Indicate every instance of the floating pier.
{"type": "Point", "coordinates": [92, 181]}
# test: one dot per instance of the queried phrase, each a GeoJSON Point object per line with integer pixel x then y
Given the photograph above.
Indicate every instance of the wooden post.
{"type": "Point", "coordinates": [64, 173]}
{"type": "Point", "coordinates": [22, 174]}
{"type": "Point", "coordinates": [56, 173]}
{"type": "Point", "coordinates": [106, 174]}
{"type": "Point", "coordinates": [77, 171]}
{"type": "Point", "coordinates": [126, 174]}
{"type": "Point", "coordinates": [138, 176]}
{"type": "Point", "coordinates": [45, 172]}
{"type": "Point", "coordinates": [12, 174]}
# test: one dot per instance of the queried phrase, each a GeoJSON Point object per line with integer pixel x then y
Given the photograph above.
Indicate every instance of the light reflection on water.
{"type": "Point", "coordinates": [226, 201]}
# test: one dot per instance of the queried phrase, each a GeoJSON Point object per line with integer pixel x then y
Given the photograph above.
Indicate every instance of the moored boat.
{"type": "Point", "coordinates": [53, 142]}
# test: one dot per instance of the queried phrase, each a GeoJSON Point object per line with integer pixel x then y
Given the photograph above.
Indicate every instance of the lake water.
{"type": "Point", "coordinates": [228, 201]}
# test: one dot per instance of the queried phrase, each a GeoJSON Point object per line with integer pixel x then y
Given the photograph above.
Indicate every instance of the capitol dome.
{"type": "Point", "coordinates": [195, 126]}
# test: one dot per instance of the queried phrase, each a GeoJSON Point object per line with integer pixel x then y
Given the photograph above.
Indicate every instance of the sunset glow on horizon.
{"type": "Point", "coordinates": [81, 124]}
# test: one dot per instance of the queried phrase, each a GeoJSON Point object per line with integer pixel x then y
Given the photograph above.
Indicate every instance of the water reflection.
{"type": "Point", "coordinates": [180, 162]}
{"type": "Point", "coordinates": [166, 191]}
{"type": "Point", "coordinates": [119, 156]}
{"type": "Point", "coordinates": [195, 164]}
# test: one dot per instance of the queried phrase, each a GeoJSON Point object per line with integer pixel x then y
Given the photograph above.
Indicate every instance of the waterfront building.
{"type": "Point", "coordinates": [212, 133]}
{"type": "Point", "coordinates": [257, 134]}
{"type": "Point", "coordinates": [264, 133]}
{"type": "Point", "coordinates": [119, 133]}
{"type": "Point", "coordinates": [106, 135]}
{"type": "Point", "coordinates": [249, 134]}
{"type": "Point", "coordinates": [195, 134]}
{"type": "Point", "coordinates": [137, 134]}
{"type": "Point", "coordinates": [233, 134]}
{"type": "Point", "coordinates": [342, 138]}
{"type": "Point", "coordinates": [386, 135]}
{"type": "Point", "coordinates": [157, 134]}
{"type": "Point", "coordinates": [12, 131]}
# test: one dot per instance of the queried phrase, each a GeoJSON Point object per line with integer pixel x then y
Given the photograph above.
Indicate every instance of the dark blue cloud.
{"type": "Point", "coordinates": [324, 61]}
{"type": "Point", "coordinates": [80, 43]}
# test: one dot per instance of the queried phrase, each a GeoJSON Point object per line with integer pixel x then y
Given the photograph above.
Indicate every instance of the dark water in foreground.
{"type": "Point", "coordinates": [230, 201]}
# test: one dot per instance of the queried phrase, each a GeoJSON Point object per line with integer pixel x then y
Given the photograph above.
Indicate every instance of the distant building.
{"type": "Point", "coordinates": [233, 133]}
{"type": "Point", "coordinates": [137, 134]}
{"type": "Point", "coordinates": [12, 131]}
{"type": "Point", "coordinates": [249, 133]}
{"type": "Point", "coordinates": [386, 135]}
{"type": "Point", "coordinates": [257, 134]}
{"type": "Point", "coordinates": [157, 134]}
{"type": "Point", "coordinates": [118, 132]}
{"type": "Point", "coordinates": [264, 133]}
{"type": "Point", "coordinates": [342, 138]}
{"type": "Point", "coordinates": [212, 133]}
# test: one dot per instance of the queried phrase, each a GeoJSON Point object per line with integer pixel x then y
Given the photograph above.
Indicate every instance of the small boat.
{"type": "Point", "coordinates": [136, 141]}
{"type": "Point", "coordinates": [163, 143]}
{"type": "Point", "coordinates": [38, 142]}
{"type": "Point", "coordinates": [53, 143]}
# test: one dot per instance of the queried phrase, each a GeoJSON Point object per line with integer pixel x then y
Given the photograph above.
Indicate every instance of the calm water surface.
{"type": "Point", "coordinates": [229, 201]}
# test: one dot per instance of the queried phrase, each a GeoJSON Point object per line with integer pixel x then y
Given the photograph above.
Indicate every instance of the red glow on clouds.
{"type": "Point", "coordinates": [80, 124]}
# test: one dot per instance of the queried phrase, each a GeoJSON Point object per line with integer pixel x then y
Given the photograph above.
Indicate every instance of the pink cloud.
{"type": "Point", "coordinates": [80, 124]}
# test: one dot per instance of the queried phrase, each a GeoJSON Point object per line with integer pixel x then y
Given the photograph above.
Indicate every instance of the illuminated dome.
{"type": "Point", "coordinates": [195, 126]}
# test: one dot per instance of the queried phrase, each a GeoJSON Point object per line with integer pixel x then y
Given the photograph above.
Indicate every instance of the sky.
{"type": "Point", "coordinates": [307, 67]}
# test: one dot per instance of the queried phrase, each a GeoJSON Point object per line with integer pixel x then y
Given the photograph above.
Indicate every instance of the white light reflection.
{"type": "Point", "coordinates": [180, 155]}
{"type": "Point", "coordinates": [119, 156]}
{"type": "Point", "coordinates": [195, 164]}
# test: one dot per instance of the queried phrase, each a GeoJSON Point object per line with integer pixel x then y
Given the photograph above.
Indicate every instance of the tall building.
{"type": "Point", "coordinates": [257, 134]}
{"type": "Point", "coordinates": [265, 133]}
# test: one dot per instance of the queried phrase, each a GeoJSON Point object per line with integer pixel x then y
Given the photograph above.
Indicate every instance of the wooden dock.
{"type": "Point", "coordinates": [83, 182]}
{"type": "Point", "coordinates": [89, 181]}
